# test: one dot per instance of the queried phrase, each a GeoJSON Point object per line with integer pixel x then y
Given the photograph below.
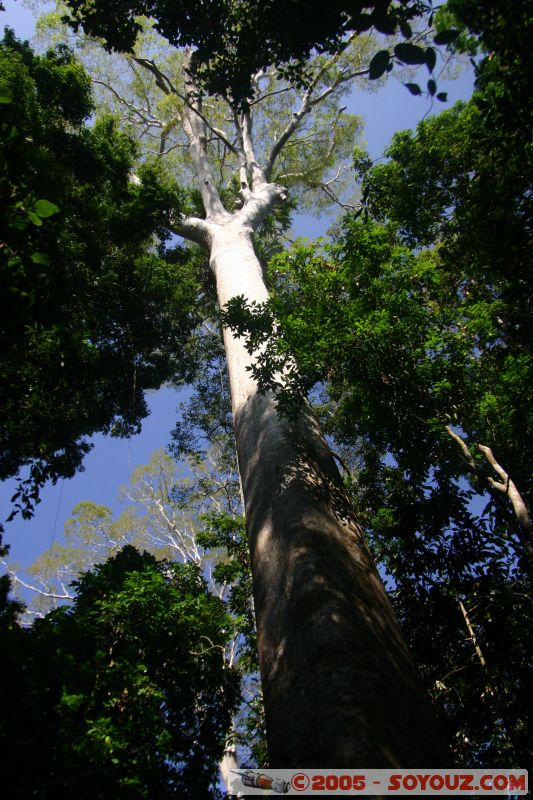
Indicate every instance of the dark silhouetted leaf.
{"type": "Point", "coordinates": [410, 53]}
{"type": "Point", "coordinates": [406, 30]}
{"type": "Point", "coordinates": [379, 64]}
{"type": "Point", "coordinates": [431, 59]}
{"type": "Point", "coordinates": [446, 37]}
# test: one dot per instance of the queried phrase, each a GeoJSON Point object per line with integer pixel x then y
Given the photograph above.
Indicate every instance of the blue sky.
{"type": "Point", "coordinates": [107, 467]}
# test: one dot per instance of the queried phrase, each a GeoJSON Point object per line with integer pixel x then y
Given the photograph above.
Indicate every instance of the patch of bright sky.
{"type": "Point", "coordinates": [109, 464]}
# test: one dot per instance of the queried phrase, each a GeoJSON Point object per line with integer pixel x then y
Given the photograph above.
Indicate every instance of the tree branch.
{"type": "Point", "coordinates": [243, 171]}
{"type": "Point", "coordinates": [504, 486]}
{"type": "Point", "coordinates": [143, 113]}
{"type": "Point", "coordinates": [166, 85]}
{"type": "Point", "coordinates": [195, 130]}
{"type": "Point", "coordinates": [308, 103]}
{"type": "Point", "coordinates": [51, 595]}
{"type": "Point", "coordinates": [193, 228]}
{"type": "Point", "coordinates": [508, 487]}
{"type": "Point", "coordinates": [467, 455]}
{"type": "Point", "coordinates": [257, 172]}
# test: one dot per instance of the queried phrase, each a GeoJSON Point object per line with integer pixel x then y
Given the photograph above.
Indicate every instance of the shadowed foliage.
{"type": "Point", "coordinates": [123, 695]}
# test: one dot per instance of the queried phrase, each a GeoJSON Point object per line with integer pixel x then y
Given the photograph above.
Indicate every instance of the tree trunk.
{"type": "Point", "coordinates": [339, 687]}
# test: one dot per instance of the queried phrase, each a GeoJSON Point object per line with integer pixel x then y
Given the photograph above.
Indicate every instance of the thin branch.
{"type": "Point", "coordinates": [307, 104]}
{"type": "Point", "coordinates": [346, 206]}
{"type": "Point", "coordinates": [269, 94]}
{"type": "Point", "coordinates": [166, 86]}
{"type": "Point", "coordinates": [468, 457]}
{"type": "Point", "coordinates": [472, 635]}
{"type": "Point", "coordinates": [144, 113]}
{"type": "Point", "coordinates": [29, 586]}
{"type": "Point", "coordinates": [505, 486]}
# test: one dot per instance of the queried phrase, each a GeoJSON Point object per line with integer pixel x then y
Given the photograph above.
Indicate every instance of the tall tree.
{"type": "Point", "coordinates": [427, 360]}
{"type": "Point", "coordinates": [400, 353]}
{"type": "Point", "coordinates": [339, 687]}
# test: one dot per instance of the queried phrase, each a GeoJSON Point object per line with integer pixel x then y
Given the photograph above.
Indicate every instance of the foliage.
{"type": "Point", "coordinates": [189, 513]}
{"type": "Point", "coordinates": [93, 314]}
{"type": "Point", "coordinates": [416, 348]}
{"type": "Point", "coordinates": [125, 694]}
{"type": "Point", "coordinates": [402, 357]}
{"type": "Point", "coordinates": [473, 197]}
{"type": "Point", "coordinates": [224, 537]}
{"type": "Point", "coordinates": [236, 38]}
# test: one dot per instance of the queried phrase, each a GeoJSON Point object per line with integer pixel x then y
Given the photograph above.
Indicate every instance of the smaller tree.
{"type": "Point", "coordinates": [125, 694]}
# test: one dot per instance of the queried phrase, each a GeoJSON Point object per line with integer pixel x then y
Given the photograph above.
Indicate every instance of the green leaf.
{"type": "Point", "coordinates": [40, 258]}
{"type": "Point", "coordinates": [410, 53]}
{"type": "Point", "coordinates": [6, 98]}
{"type": "Point", "coordinates": [44, 208]}
{"type": "Point", "coordinates": [379, 64]}
{"type": "Point", "coordinates": [432, 87]}
{"type": "Point", "coordinates": [446, 37]}
{"type": "Point", "coordinates": [414, 88]}
{"type": "Point", "coordinates": [34, 218]}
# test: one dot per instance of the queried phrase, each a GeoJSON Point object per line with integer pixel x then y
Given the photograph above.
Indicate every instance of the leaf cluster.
{"type": "Point", "coordinates": [236, 38]}
{"type": "Point", "coordinates": [93, 309]}
{"type": "Point", "coordinates": [125, 694]}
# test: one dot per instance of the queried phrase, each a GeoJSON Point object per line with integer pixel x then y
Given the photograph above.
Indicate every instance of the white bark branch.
{"type": "Point", "coordinates": [307, 104]}
{"type": "Point", "coordinates": [467, 455]}
{"type": "Point", "coordinates": [31, 588]}
{"type": "Point", "coordinates": [472, 634]}
{"type": "Point", "coordinates": [143, 113]}
{"type": "Point", "coordinates": [243, 167]}
{"type": "Point", "coordinates": [505, 486]}
{"type": "Point", "coordinates": [192, 228]}
{"type": "Point", "coordinates": [195, 130]}
{"type": "Point", "coordinates": [166, 86]}
{"type": "Point", "coordinates": [256, 171]}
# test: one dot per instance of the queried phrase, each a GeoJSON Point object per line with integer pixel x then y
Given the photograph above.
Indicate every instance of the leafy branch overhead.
{"type": "Point", "coordinates": [234, 39]}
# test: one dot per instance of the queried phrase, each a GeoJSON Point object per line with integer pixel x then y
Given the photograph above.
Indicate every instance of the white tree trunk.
{"type": "Point", "coordinates": [339, 687]}
{"type": "Point", "coordinates": [338, 684]}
